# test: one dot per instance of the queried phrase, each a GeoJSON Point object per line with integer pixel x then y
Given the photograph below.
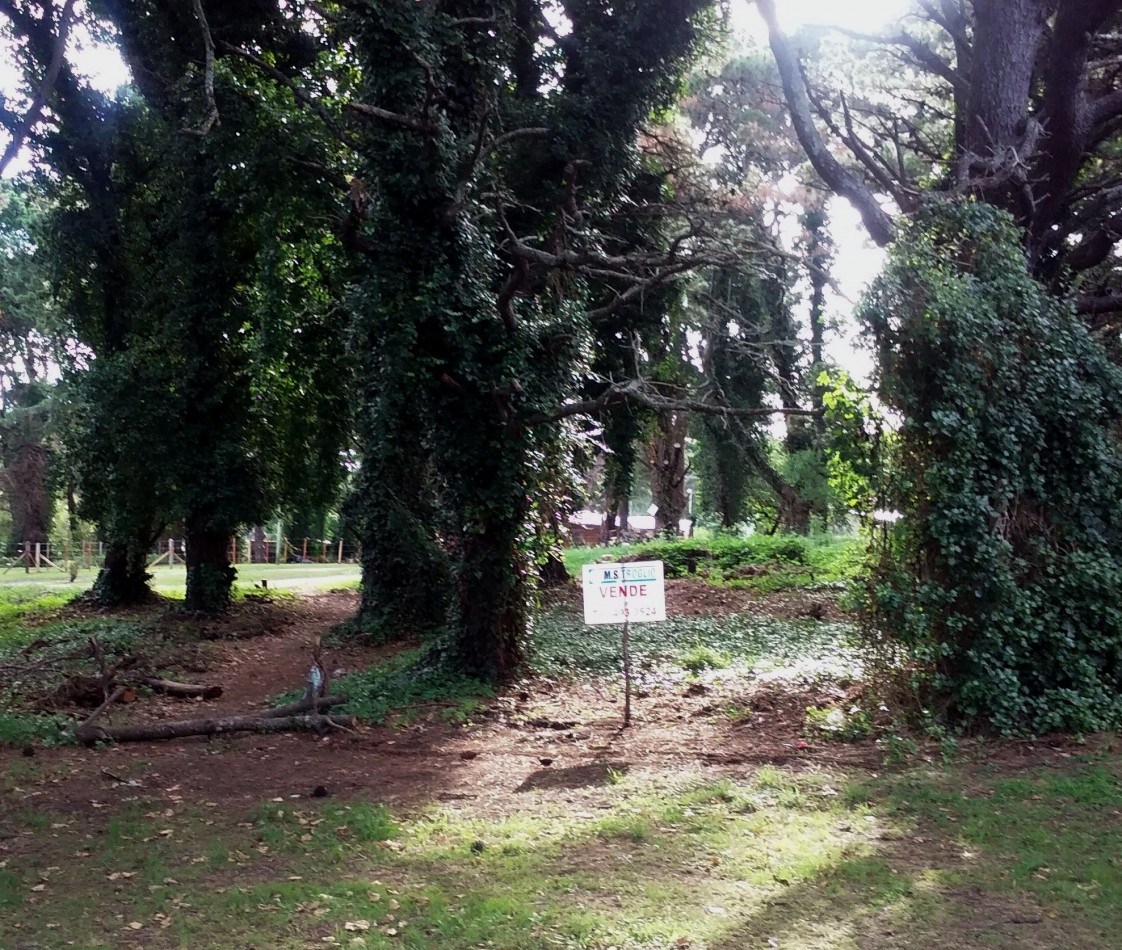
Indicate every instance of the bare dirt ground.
{"type": "Point", "coordinates": [540, 737]}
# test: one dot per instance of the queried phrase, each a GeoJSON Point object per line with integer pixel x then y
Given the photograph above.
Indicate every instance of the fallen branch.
{"type": "Point", "coordinates": [85, 731]}
{"type": "Point", "coordinates": [304, 705]}
{"type": "Point", "coordinates": [182, 690]}
{"type": "Point", "coordinates": [211, 727]}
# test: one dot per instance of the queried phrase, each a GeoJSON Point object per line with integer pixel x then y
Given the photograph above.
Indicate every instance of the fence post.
{"type": "Point", "coordinates": [38, 555]}
{"type": "Point", "coordinates": [305, 554]}
{"type": "Point", "coordinates": [339, 560]}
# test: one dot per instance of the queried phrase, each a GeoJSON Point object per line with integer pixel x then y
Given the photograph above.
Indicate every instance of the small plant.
{"type": "Point", "coordinates": [837, 723]}
{"type": "Point", "coordinates": [699, 658]}
{"type": "Point", "coordinates": [898, 750]}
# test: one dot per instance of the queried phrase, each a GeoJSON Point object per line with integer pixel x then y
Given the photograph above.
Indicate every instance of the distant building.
{"type": "Point", "coordinates": [587, 527]}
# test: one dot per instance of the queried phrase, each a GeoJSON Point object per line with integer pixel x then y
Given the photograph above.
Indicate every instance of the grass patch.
{"type": "Point", "coordinates": [406, 681]}
{"type": "Point", "coordinates": [803, 860]}
{"type": "Point", "coordinates": [760, 562]}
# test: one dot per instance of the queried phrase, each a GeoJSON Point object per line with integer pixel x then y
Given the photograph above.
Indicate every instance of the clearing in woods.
{"type": "Point", "coordinates": [748, 806]}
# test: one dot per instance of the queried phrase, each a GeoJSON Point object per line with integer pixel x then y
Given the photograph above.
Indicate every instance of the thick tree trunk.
{"type": "Point", "coordinates": [1007, 37]}
{"type": "Point", "coordinates": [123, 578]}
{"type": "Point", "coordinates": [666, 460]}
{"type": "Point", "coordinates": [210, 575]}
{"type": "Point", "coordinates": [29, 500]}
{"type": "Point", "coordinates": [406, 580]}
{"type": "Point", "coordinates": [492, 602]}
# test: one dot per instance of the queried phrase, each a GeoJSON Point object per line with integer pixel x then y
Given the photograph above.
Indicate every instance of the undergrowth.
{"type": "Point", "coordinates": [406, 681]}
{"type": "Point", "coordinates": [803, 649]}
{"type": "Point", "coordinates": [760, 562]}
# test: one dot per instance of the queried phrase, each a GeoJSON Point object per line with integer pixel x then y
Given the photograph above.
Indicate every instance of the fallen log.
{"type": "Point", "coordinates": [304, 705]}
{"type": "Point", "coordinates": [182, 690]}
{"type": "Point", "coordinates": [212, 727]}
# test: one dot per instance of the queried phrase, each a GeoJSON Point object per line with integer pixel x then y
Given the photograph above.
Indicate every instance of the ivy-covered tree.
{"type": "Point", "coordinates": [493, 145]}
{"type": "Point", "coordinates": [1005, 574]}
{"type": "Point", "coordinates": [166, 204]}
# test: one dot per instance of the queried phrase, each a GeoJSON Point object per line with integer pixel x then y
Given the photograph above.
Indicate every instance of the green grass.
{"type": "Point", "coordinates": [758, 562]}
{"type": "Point", "coordinates": [799, 860]}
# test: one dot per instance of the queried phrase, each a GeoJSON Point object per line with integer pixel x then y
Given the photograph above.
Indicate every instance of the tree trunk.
{"type": "Point", "coordinates": [123, 578]}
{"type": "Point", "coordinates": [794, 512]}
{"type": "Point", "coordinates": [406, 581]}
{"type": "Point", "coordinates": [819, 255]}
{"type": "Point", "coordinates": [210, 575]}
{"type": "Point", "coordinates": [257, 546]}
{"type": "Point", "coordinates": [25, 484]}
{"type": "Point", "coordinates": [666, 459]}
{"type": "Point", "coordinates": [492, 602]}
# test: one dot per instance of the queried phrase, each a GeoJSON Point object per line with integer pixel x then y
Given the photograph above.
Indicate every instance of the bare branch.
{"type": "Point", "coordinates": [641, 393]}
{"type": "Point", "coordinates": [1090, 306]}
{"type": "Point", "coordinates": [837, 176]}
{"type": "Point", "coordinates": [46, 87]}
{"type": "Point", "coordinates": [396, 118]}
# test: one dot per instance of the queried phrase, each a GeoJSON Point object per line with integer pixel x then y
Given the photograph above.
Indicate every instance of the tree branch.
{"type": "Point", "coordinates": [837, 176]}
{"type": "Point", "coordinates": [396, 118]}
{"type": "Point", "coordinates": [46, 87]}
{"type": "Point", "coordinates": [641, 393]}
{"type": "Point", "coordinates": [208, 75]}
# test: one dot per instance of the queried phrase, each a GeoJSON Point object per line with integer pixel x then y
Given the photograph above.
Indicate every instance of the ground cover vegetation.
{"type": "Point", "coordinates": [738, 810]}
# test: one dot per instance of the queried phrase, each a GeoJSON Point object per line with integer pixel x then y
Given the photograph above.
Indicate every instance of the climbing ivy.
{"type": "Point", "coordinates": [483, 124]}
{"type": "Point", "coordinates": [1003, 580]}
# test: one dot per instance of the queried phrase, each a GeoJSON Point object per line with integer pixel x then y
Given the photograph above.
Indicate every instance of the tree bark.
{"type": "Point", "coordinates": [666, 460]}
{"type": "Point", "coordinates": [210, 575]}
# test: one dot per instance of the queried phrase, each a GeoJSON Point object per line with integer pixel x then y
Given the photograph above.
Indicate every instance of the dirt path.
{"type": "Point", "coordinates": [539, 740]}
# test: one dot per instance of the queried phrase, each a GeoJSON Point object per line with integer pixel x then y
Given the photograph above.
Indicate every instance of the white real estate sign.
{"type": "Point", "coordinates": [614, 593]}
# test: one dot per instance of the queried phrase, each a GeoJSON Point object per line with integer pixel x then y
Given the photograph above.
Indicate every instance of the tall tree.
{"type": "Point", "coordinates": [999, 141]}
{"type": "Point", "coordinates": [493, 146]}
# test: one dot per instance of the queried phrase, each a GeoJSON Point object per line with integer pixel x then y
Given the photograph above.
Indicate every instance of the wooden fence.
{"type": "Point", "coordinates": [67, 556]}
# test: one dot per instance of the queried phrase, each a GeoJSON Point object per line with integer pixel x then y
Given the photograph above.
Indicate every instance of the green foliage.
{"type": "Point", "coordinates": [407, 679]}
{"type": "Point", "coordinates": [1003, 581]}
{"type": "Point", "coordinates": [19, 730]}
{"type": "Point", "coordinates": [700, 657]}
{"type": "Point", "coordinates": [834, 722]}
{"type": "Point", "coordinates": [803, 650]}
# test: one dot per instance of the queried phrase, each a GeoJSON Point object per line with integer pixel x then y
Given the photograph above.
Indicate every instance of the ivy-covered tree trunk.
{"type": "Point", "coordinates": [210, 575]}
{"type": "Point", "coordinates": [123, 578]}
{"type": "Point", "coordinates": [666, 462]}
{"type": "Point", "coordinates": [461, 332]}
{"type": "Point", "coordinates": [406, 586]}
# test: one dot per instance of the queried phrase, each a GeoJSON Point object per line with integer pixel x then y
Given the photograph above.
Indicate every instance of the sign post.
{"type": "Point", "coordinates": [615, 593]}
